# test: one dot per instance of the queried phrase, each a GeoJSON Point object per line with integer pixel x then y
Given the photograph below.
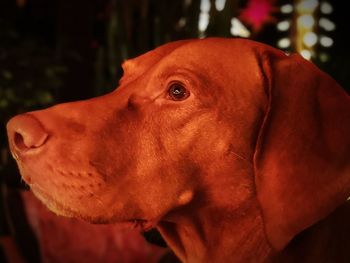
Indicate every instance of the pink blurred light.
{"type": "Point", "coordinates": [258, 13]}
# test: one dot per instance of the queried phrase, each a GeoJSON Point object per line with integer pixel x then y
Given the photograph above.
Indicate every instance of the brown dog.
{"type": "Point", "coordinates": [229, 147]}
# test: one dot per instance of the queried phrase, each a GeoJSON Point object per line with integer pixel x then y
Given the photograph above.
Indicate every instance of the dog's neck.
{"type": "Point", "coordinates": [215, 235]}
{"type": "Point", "coordinates": [218, 231]}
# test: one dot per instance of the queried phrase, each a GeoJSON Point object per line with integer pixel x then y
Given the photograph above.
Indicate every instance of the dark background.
{"type": "Point", "coordinates": [53, 51]}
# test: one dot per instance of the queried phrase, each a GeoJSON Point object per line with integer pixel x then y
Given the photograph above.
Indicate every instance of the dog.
{"type": "Point", "coordinates": [233, 150]}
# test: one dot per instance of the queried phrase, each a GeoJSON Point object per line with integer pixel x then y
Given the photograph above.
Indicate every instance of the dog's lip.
{"type": "Point", "coordinates": [50, 202]}
{"type": "Point", "coordinates": [142, 225]}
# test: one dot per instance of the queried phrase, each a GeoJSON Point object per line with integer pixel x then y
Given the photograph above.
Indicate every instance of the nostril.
{"type": "Point", "coordinates": [26, 132]}
{"type": "Point", "coordinates": [19, 142]}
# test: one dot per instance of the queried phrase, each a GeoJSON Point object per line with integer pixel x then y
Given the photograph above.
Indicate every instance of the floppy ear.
{"type": "Point", "coordinates": [302, 157]}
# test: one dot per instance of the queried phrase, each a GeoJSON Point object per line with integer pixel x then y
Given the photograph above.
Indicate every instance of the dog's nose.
{"type": "Point", "coordinates": [25, 133]}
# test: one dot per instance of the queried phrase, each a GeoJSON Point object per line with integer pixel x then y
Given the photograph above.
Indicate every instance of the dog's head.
{"type": "Point", "coordinates": [185, 111]}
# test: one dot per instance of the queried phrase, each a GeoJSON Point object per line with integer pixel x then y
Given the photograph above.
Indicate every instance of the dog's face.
{"type": "Point", "coordinates": [140, 151]}
{"type": "Point", "coordinates": [194, 119]}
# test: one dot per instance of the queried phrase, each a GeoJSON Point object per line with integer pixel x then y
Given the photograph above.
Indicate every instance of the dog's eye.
{"type": "Point", "coordinates": [178, 92]}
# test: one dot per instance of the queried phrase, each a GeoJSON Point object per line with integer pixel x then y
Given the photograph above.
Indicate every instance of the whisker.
{"type": "Point", "coordinates": [241, 157]}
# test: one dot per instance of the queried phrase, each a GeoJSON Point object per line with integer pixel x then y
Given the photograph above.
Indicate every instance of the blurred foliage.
{"type": "Point", "coordinates": [29, 74]}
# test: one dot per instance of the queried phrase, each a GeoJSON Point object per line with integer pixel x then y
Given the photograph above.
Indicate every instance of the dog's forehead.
{"type": "Point", "coordinates": [202, 52]}
{"type": "Point", "coordinates": [133, 68]}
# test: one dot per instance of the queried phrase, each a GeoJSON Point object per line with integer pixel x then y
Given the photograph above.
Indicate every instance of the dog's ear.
{"type": "Point", "coordinates": [302, 156]}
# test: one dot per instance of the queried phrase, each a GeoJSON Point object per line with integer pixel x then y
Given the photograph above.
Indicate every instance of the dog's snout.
{"type": "Point", "coordinates": [25, 133]}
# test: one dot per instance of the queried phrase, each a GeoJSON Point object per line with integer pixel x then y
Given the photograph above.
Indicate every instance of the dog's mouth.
{"type": "Point", "coordinates": [141, 225]}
